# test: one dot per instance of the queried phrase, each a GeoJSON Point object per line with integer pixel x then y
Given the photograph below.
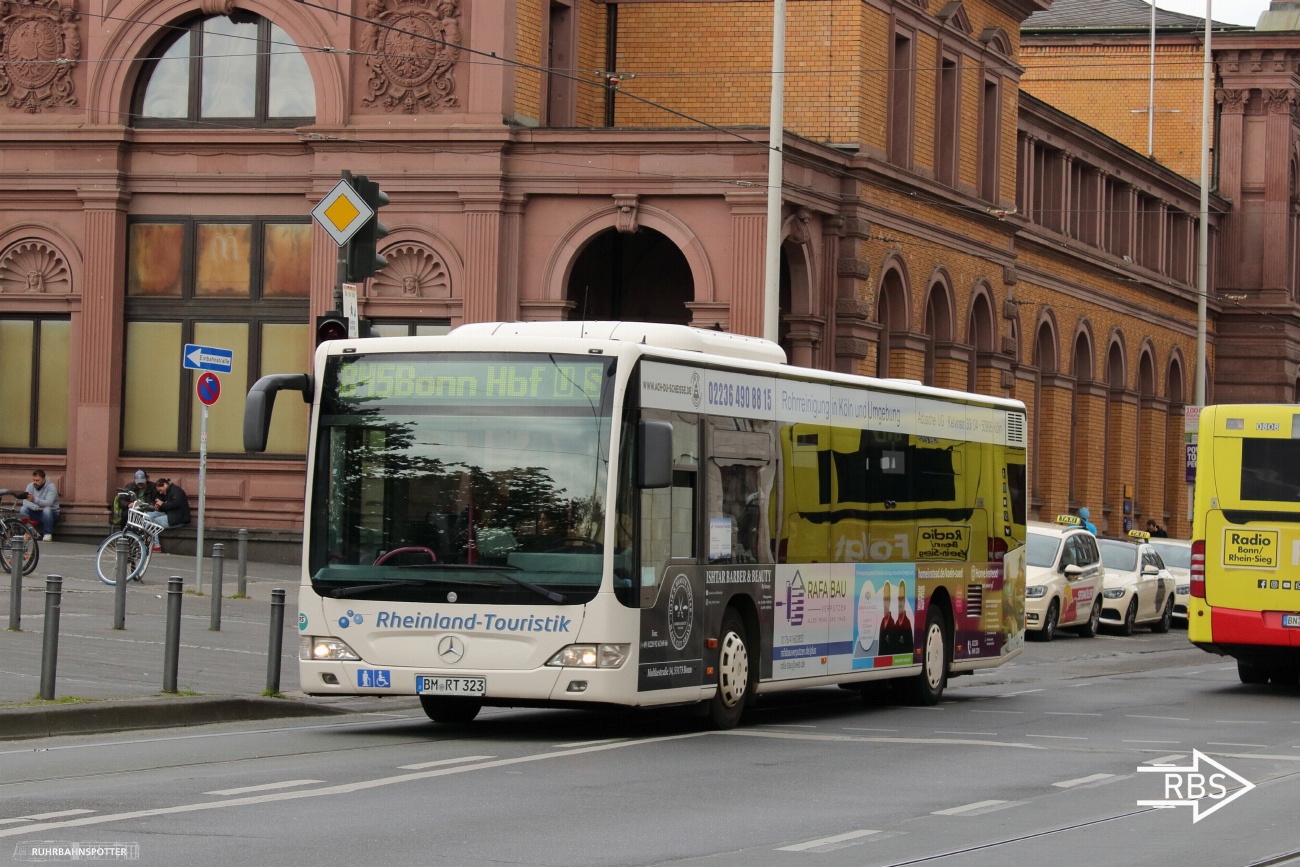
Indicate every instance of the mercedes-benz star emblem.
{"type": "Point", "coordinates": [451, 649]}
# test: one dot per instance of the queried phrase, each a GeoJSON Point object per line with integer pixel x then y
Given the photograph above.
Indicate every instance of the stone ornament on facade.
{"type": "Point", "coordinates": [1279, 101]}
{"type": "Point", "coordinates": [1233, 101]}
{"type": "Point", "coordinates": [39, 46]}
{"type": "Point", "coordinates": [413, 271]}
{"type": "Point", "coordinates": [413, 47]}
{"type": "Point", "coordinates": [625, 214]}
{"type": "Point", "coordinates": [797, 226]}
{"type": "Point", "coordinates": [34, 268]}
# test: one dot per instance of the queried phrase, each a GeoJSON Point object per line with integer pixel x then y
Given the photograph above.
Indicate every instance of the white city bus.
{"type": "Point", "coordinates": [600, 513]}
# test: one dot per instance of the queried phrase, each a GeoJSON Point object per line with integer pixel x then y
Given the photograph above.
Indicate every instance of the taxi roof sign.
{"type": "Point", "coordinates": [1068, 519]}
{"type": "Point", "coordinates": [1139, 534]}
{"type": "Point", "coordinates": [342, 212]}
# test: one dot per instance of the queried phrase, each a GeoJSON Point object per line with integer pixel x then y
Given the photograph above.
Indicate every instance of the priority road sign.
{"type": "Point", "coordinates": [212, 358]}
{"type": "Point", "coordinates": [342, 212]}
{"type": "Point", "coordinates": [208, 388]}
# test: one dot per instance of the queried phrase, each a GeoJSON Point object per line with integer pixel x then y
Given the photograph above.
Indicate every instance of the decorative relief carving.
{"type": "Point", "coordinates": [413, 271]}
{"type": "Point", "coordinates": [797, 224]}
{"type": "Point", "coordinates": [413, 56]}
{"type": "Point", "coordinates": [1233, 101]}
{"type": "Point", "coordinates": [34, 268]}
{"type": "Point", "coordinates": [1279, 101]}
{"type": "Point", "coordinates": [39, 46]}
{"type": "Point", "coordinates": [625, 217]}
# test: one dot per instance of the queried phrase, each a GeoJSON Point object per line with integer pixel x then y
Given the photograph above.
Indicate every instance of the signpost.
{"type": "Point", "coordinates": [208, 389]}
{"type": "Point", "coordinates": [350, 310]}
{"type": "Point", "coordinates": [342, 212]}
{"type": "Point", "coordinates": [1191, 427]}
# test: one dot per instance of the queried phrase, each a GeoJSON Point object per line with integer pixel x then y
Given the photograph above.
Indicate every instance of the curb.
{"type": "Point", "coordinates": [154, 713]}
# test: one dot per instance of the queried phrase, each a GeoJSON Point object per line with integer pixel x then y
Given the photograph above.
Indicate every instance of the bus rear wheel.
{"type": "Point", "coordinates": [735, 674]}
{"type": "Point", "coordinates": [927, 687]}
{"type": "Point", "coordinates": [1252, 674]}
{"type": "Point", "coordinates": [452, 711]}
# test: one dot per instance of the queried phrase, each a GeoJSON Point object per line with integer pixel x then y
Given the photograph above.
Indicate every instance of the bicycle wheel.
{"type": "Point", "coordinates": [106, 559]}
{"type": "Point", "coordinates": [16, 529]}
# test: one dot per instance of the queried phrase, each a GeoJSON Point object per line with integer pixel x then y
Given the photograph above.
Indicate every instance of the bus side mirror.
{"type": "Point", "coordinates": [261, 399]}
{"type": "Point", "coordinates": [655, 462]}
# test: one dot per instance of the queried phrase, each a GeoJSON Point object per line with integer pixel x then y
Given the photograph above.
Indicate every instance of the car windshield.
{"type": "Point", "coordinates": [467, 477]}
{"type": "Point", "coordinates": [1120, 556]}
{"type": "Point", "coordinates": [1042, 550]}
{"type": "Point", "coordinates": [1175, 556]}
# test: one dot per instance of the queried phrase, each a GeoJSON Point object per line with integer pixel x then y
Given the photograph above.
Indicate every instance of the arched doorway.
{"type": "Point", "coordinates": [1082, 381]}
{"type": "Point", "coordinates": [640, 277]}
{"type": "Point", "coordinates": [893, 316]}
{"type": "Point", "coordinates": [1045, 355]}
{"type": "Point", "coordinates": [1177, 501]}
{"type": "Point", "coordinates": [980, 333]}
{"type": "Point", "coordinates": [938, 328]}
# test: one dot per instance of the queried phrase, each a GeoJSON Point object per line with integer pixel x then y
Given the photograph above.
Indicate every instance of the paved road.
{"type": "Point", "coordinates": [1032, 763]}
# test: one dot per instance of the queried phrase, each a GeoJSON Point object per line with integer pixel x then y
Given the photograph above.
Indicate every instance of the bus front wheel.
{"type": "Point", "coordinates": [735, 673]}
{"type": "Point", "coordinates": [452, 711]}
{"type": "Point", "coordinates": [927, 687]}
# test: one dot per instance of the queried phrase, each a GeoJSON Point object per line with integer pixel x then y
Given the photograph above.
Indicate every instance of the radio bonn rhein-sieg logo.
{"type": "Point", "coordinates": [681, 612]}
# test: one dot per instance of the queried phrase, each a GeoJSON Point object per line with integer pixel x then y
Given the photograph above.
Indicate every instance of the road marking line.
{"type": "Point", "coordinates": [1058, 737]}
{"type": "Point", "coordinates": [1244, 722]}
{"type": "Point", "coordinates": [422, 765]}
{"type": "Point", "coordinates": [1142, 716]}
{"type": "Point", "coordinates": [588, 743]}
{"type": "Point", "coordinates": [984, 734]}
{"type": "Point", "coordinates": [58, 815]}
{"type": "Point", "coordinates": [265, 787]}
{"type": "Point", "coordinates": [859, 739]}
{"type": "Point", "coordinates": [1227, 744]}
{"type": "Point", "coordinates": [857, 729]}
{"type": "Point", "coordinates": [1022, 692]}
{"type": "Point", "coordinates": [788, 726]}
{"type": "Point", "coordinates": [998, 711]}
{"type": "Point", "coordinates": [825, 841]}
{"type": "Point", "coordinates": [1092, 778]}
{"type": "Point", "coordinates": [966, 808]}
{"type": "Point", "coordinates": [1067, 713]}
{"type": "Point", "coordinates": [1166, 760]}
{"type": "Point", "coordinates": [1153, 742]}
{"type": "Point", "coordinates": [342, 789]}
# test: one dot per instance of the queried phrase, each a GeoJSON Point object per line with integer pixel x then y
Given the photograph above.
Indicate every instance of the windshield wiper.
{"type": "Point", "coordinates": [503, 571]}
{"type": "Point", "coordinates": [358, 589]}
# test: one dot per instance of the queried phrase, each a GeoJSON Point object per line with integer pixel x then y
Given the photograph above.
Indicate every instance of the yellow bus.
{"type": "Point", "coordinates": [1245, 575]}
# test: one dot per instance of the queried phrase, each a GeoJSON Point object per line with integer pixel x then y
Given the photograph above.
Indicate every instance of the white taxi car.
{"type": "Point", "coordinates": [1177, 555]}
{"type": "Point", "coordinates": [1063, 578]}
{"type": "Point", "coordinates": [1138, 589]}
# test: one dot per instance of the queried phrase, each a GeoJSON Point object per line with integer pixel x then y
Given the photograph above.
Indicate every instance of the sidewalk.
{"type": "Point", "coordinates": [97, 662]}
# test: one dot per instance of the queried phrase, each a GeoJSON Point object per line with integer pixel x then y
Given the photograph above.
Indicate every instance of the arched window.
{"type": "Point", "coordinates": [240, 71]}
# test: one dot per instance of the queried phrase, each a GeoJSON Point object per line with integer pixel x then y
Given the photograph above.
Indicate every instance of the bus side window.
{"type": "Point", "coordinates": [668, 515]}
{"type": "Point", "coordinates": [742, 468]}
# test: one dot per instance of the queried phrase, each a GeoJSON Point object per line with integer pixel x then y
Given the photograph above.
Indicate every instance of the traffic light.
{"type": "Point", "coordinates": [331, 326]}
{"type": "Point", "coordinates": [363, 259]}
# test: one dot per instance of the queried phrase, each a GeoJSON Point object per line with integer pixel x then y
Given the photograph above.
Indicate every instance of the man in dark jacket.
{"type": "Point", "coordinates": [172, 506]}
{"type": "Point", "coordinates": [142, 491]}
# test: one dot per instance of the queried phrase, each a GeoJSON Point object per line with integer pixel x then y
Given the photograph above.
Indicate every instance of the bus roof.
{"type": "Point", "coordinates": [650, 333]}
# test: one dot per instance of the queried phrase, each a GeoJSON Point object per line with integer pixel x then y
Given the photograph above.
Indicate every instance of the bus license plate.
{"type": "Point", "coordinates": [430, 685]}
{"type": "Point", "coordinates": [1291, 620]}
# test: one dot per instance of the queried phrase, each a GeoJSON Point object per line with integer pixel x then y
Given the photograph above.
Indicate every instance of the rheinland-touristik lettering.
{"type": "Point", "coordinates": [472, 623]}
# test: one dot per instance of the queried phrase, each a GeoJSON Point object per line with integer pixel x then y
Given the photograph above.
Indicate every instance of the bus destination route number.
{"type": "Point", "coordinates": [436, 685]}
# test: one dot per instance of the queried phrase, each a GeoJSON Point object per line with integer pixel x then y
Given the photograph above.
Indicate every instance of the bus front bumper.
{"type": "Point", "coordinates": [545, 684]}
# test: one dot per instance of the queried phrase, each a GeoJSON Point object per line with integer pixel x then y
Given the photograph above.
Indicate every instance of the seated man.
{"type": "Point", "coordinates": [171, 506]}
{"type": "Point", "coordinates": [142, 491]}
{"type": "Point", "coordinates": [42, 499]}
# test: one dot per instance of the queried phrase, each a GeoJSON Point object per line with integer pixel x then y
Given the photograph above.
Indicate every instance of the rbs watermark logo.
{"type": "Point", "coordinates": [1206, 781]}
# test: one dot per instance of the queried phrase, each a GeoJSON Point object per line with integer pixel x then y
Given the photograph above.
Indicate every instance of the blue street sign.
{"type": "Point", "coordinates": [211, 358]}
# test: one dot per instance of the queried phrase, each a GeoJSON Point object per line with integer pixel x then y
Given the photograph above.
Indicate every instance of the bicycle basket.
{"type": "Point", "coordinates": [135, 518]}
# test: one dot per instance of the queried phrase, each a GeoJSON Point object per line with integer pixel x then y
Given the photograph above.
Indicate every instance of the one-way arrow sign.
{"type": "Point", "coordinates": [1198, 785]}
{"type": "Point", "coordinates": [211, 358]}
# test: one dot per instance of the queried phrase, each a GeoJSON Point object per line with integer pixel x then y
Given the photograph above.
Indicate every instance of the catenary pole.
{"type": "Point", "coordinates": [1203, 242]}
{"type": "Point", "coordinates": [776, 142]}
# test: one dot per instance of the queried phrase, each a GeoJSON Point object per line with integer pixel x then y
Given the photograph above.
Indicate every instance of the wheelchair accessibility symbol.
{"type": "Point", "coordinates": [374, 678]}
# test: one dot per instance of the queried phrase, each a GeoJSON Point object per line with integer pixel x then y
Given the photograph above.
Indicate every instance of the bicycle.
{"type": "Point", "coordinates": [15, 525]}
{"type": "Point", "coordinates": [139, 539]}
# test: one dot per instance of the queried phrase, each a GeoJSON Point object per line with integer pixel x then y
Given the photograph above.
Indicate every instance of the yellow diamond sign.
{"type": "Point", "coordinates": [342, 212]}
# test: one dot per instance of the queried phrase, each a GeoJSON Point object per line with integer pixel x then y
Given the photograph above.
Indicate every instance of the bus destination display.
{"type": "Point", "coordinates": [550, 381]}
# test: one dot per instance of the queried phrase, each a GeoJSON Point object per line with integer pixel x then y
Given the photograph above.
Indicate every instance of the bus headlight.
{"type": "Point", "coordinates": [324, 649]}
{"type": "Point", "coordinates": [591, 656]}
{"type": "Point", "coordinates": [1036, 591]}
{"type": "Point", "coordinates": [1113, 593]}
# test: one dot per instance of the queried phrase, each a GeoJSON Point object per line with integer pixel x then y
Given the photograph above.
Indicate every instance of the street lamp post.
{"type": "Point", "coordinates": [1203, 251]}
{"type": "Point", "coordinates": [775, 143]}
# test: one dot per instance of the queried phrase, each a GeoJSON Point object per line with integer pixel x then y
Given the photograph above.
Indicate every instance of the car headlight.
{"type": "Point", "coordinates": [591, 656]}
{"type": "Point", "coordinates": [1184, 590]}
{"type": "Point", "coordinates": [1113, 593]}
{"type": "Point", "coordinates": [324, 649]}
{"type": "Point", "coordinates": [1036, 591]}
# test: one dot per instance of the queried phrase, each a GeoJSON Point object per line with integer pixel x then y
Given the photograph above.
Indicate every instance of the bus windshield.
{"type": "Point", "coordinates": [465, 477]}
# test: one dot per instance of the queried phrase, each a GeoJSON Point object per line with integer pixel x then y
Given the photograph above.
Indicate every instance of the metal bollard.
{"type": "Point", "coordinates": [172, 647]}
{"type": "Point", "coordinates": [218, 566]}
{"type": "Point", "coordinates": [50, 644]}
{"type": "Point", "coordinates": [243, 562]}
{"type": "Point", "coordinates": [275, 641]}
{"type": "Point", "coordinates": [119, 589]}
{"type": "Point", "coordinates": [16, 549]}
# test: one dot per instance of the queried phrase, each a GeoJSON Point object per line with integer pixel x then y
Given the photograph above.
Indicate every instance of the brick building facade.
{"type": "Point", "coordinates": [939, 225]}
